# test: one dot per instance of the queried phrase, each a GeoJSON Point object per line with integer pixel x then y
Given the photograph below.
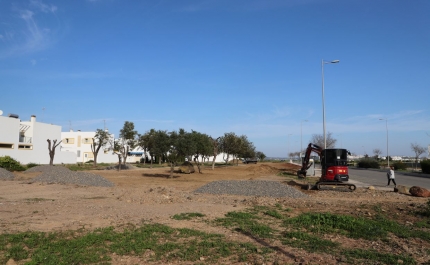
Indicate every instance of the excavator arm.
{"type": "Point", "coordinates": [305, 163]}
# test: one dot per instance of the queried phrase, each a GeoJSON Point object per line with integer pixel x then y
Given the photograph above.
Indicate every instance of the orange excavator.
{"type": "Point", "coordinates": [334, 167]}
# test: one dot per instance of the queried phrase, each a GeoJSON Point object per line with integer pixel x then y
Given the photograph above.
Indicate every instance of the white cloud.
{"type": "Point", "coordinates": [28, 37]}
{"type": "Point", "coordinates": [43, 7]}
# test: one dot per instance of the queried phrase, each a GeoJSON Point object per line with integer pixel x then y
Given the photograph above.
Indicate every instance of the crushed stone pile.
{"type": "Point", "coordinates": [63, 175]}
{"type": "Point", "coordinates": [5, 174]}
{"type": "Point", "coordinates": [251, 188]}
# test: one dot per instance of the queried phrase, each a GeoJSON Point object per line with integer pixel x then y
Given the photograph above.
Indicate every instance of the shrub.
{"type": "Point", "coordinates": [30, 165]}
{"type": "Point", "coordinates": [399, 165]}
{"type": "Point", "coordinates": [425, 166]}
{"type": "Point", "coordinates": [10, 164]}
{"type": "Point", "coordinates": [368, 163]}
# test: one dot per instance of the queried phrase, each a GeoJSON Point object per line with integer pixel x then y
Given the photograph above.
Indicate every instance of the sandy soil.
{"type": "Point", "coordinates": [148, 195]}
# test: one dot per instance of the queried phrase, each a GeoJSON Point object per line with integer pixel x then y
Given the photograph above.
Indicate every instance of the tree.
{"type": "Point", "coordinates": [215, 148]}
{"type": "Point", "coordinates": [246, 148]}
{"type": "Point", "coordinates": [159, 144]}
{"type": "Point", "coordinates": [145, 142]}
{"type": "Point", "coordinates": [203, 147]}
{"type": "Point", "coordinates": [229, 145]}
{"type": "Point", "coordinates": [51, 148]}
{"type": "Point", "coordinates": [260, 155]}
{"type": "Point", "coordinates": [101, 138]}
{"type": "Point", "coordinates": [127, 139]}
{"type": "Point", "coordinates": [418, 150]}
{"type": "Point", "coordinates": [377, 152]}
{"type": "Point", "coordinates": [318, 139]}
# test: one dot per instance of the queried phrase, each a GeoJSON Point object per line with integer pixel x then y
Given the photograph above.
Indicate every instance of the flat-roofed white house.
{"type": "Point", "coordinates": [26, 142]}
{"type": "Point", "coordinates": [79, 143]}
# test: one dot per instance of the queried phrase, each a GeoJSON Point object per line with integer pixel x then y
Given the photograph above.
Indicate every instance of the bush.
{"type": "Point", "coordinates": [10, 164]}
{"type": "Point", "coordinates": [399, 165]}
{"type": "Point", "coordinates": [368, 163]}
{"type": "Point", "coordinates": [30, 165]}
{"type": "Point", "coordinates": [425, 166]}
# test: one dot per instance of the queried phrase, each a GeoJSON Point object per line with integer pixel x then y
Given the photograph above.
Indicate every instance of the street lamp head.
{"type": "Point", "coordinates": [335, 61]}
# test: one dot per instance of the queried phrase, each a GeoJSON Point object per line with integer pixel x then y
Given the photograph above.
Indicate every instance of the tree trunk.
{"type": "Point", "coordinates": [172, 165]}
{"type": "Point", "coordinates": [119, 162]}
{"type": "Point", "coordinates": [213, 163]}
{"type": "Point", "coordinates": [196, 160]}
{"type": "Point", "coordinates": [51, 149]}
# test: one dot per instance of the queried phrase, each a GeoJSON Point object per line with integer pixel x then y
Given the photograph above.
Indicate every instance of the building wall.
{"type": "Point", "coordinates": [29, 141]}
{"type": "Point", "coordinates": [79, 143]}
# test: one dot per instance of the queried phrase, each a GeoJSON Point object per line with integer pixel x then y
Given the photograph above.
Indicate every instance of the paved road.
{"type": "Point", "coordinates": [379, 178]}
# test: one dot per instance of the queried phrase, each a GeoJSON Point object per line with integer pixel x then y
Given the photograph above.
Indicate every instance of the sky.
{"type": "Point", "coordinates": [252, 67]}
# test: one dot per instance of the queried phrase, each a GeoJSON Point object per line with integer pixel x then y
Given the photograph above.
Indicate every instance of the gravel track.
{"type": "Point", "coordinates": [251, 188]}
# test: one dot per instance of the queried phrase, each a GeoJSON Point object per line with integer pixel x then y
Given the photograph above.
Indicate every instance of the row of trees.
{"type": "Point", "coordinates": [175, 146]}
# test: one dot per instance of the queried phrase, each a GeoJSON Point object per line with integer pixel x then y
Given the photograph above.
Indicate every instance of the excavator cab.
{"type": "Point", "coordinates": [334, 165]}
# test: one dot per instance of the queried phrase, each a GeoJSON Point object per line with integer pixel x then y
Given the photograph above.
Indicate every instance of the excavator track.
{"type": "Point", "coordinates": [333, 185]}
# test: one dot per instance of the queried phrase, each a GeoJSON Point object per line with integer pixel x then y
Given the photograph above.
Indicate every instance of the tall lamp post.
{"type": "Point", "coordinates": [322, 74]}
{"type": "Point", "coordinates": [301, 134]}
{"type": "Point", "coordinates": [288, 137]}
{"type": "Point", "coordinates": [386, 126]}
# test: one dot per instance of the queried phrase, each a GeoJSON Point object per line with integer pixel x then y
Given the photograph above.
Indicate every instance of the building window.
{"type": "Point", "coordinates": [25, 147]}
{"type": "Point", "coordinates": [6, 145]}
{"type": "Point", "coordinates": [69, 140]}
{"type": "Point", "coordinates": [87, 141]}
{"type": "Point", "coordinates": [79, 153]}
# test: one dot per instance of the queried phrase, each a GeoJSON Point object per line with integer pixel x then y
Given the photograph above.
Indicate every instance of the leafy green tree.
{"type": "Point", "coordinates": [246, 148]}
{"type": "Point", "coordinates": [229, 144]}
{"type": "Point", "coordinates": [127, 139]}
{"type": "Point", "coordinates": [261, 155]}
{"type": "Point", "coordinates": [101, 139]}
{"type": "Point", "coordinates": [203, 147]}
{"type": "Point", "coordinates": [159, 145]}
{"type": "Point", "coordinates": [145, 142]}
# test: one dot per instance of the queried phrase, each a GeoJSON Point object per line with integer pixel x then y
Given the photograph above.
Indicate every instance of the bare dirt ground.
{"type": "Point", "coordinates": [148, 195]}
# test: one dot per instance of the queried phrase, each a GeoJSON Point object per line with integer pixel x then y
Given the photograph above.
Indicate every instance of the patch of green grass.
{"type": "Point", "coordinates": [308, 242]}
{"type": "Point", "coordinates": [246, 223]}
{"type": "Point", "coordinates": [76, 247]}
{"type": "Point", "coordinates": [187, 216]}
{"type": "Point", "coordinates": [354, 255]}
{"type": "Point", "coordinates": [347, 225]}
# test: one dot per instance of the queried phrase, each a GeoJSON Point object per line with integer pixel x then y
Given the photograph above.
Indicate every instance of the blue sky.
{"type": "Point", "coordinates": [251, 67]}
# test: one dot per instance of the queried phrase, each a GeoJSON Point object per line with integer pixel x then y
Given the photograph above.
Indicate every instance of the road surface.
{"type": "Point", "coordinates": [378, 179]}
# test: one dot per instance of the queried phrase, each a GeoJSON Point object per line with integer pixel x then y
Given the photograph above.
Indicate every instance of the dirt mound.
{"type": "Point", "coordinates": [274, 169]}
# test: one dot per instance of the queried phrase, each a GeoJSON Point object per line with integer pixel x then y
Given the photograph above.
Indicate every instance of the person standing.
{"type": "Point", "coordinates": [391, 177]}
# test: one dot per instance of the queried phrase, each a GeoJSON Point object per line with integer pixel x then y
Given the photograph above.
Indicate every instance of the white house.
{"type": "Point", "coordinates": [79, 143]}
{"type": "Point", "coordinates": [26, 142]}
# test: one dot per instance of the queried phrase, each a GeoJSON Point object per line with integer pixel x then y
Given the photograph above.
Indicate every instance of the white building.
{"type": "Point", "coordinates": [79, 143]}
{"type": "Point", "coordinates": [26, 141]}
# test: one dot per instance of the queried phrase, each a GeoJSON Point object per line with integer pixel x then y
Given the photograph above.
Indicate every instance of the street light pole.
{"type": "Point", "coordinates": [322, 75]}
{"type": "Point", "coordinates": [301, 134]}
{"type": "Point", "coordinates": [386, 126]}
{"type": "Point", "coordinates": [288, 138]}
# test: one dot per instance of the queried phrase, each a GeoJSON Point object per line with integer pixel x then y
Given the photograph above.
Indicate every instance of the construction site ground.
{"type": "Point", "coordinates": [145, 195]}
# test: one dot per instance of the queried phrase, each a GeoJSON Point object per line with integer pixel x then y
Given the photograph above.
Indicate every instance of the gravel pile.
{"type": "Point", "coordinates": [251, 188]}
{"type": "Point", "coordinates": [5, 174]}
{"type": "Point", "coordinates": [62, 175]}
